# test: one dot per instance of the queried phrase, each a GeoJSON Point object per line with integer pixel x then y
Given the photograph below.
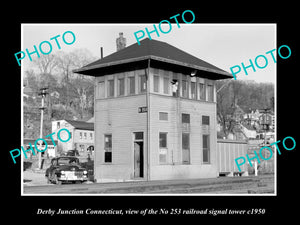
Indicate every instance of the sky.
{"type": "Point", "coordinates": [223, 45]}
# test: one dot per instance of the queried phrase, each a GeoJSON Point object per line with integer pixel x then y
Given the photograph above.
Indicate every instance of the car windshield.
{"type": "Point", "coordinates": [66, 161]}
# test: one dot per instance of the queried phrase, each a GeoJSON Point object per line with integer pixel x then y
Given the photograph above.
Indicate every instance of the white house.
{"type": "Point", "coordinates": [82, 136]}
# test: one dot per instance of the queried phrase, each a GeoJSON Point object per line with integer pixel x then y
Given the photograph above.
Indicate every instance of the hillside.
{"type": "Point", "coordinates": [70, 96]}
{"type": "Point", "coordinates": [245, 95]}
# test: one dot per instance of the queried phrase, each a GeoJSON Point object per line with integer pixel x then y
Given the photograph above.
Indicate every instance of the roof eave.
{"type": "Point", "coordinates": [161, 59]}
{"type": "Point", "coordinates": [87, 68]}
{"type": "Point", "coordinates": [191, 66]}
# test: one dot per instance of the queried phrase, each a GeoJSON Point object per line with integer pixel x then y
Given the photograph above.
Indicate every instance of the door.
{"type": "Point", "coordinates": [138, 159]}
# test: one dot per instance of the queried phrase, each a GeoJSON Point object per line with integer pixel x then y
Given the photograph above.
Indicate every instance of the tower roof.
{"type": "Point", "coordinates": [161, 53]}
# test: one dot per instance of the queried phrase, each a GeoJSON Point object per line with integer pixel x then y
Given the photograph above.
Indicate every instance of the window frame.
{"type": "Point", "coordinates": [130, 78]}
{"type": "Point", "coordinates": [156, 83]}
{"type": "Point", "coordinates": [194, 94]}
{"type": "Point", "coordinates": [203, 91]}
{"type": "Point", "coordinates": [186, 150]}
{"type": "Point", "coordinates": [163, 149]}
{"type": "Point", "coordinates": [141, 88]}
{"type": "Point", "coordinates": [110, 87]}
{"type": "Point", "coordinates": [210, 92]}
{"type": "Point", "coordinates": [204, 119]}
{"type": "Point", "coordinates": [166, 85]}
{"type": "Point", "coordinates": [184, 116]}
{"type": "Point", "coordinates": [206, 149]}
{"type": "Point", "coordinates": [101, 89]}
{"type": "Point", "coordinates": [107, 149]}
{"type": "Point", "coordinates": [185, 91]}
{"type": "Point", "coordinates": [161, 118]}
{"type": "Point", "coordinates": [119, 86]}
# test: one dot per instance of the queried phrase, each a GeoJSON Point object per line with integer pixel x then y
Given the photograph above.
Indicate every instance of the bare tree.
{"type": "Point", "coordinates": [83, 89]}
{"type": "Point", "coordinates": [225, 107]}
{"type": "Point", "coordinates": [46, 63]}
{"type": "Point", "coordinates": [76, 86]}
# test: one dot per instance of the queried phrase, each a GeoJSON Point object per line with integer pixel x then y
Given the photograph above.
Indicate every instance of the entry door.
{"type": "Point", "coordinates": [138, 159]}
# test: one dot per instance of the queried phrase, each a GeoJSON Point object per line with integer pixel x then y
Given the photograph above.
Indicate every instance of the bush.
{"type": "Point", "coordinates": [26, 165]}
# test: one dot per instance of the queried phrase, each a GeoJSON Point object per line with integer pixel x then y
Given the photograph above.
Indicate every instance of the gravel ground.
{"type": "Point", "coordinates": [33, 178]}
{"type": "Point", "coordinates": [36, 183]}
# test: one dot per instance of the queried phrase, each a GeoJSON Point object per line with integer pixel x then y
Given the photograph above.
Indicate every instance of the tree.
{"type": "Point", "coordinates": [82, 89]}
{"type": "Point", "coordinates": [225, 108]}
{"type": "Point", "coordinates": [272, 104]}
{"type": "Point", "coordinates": [74, 87]}
{"type": "Point", "coordinates": [46, 63]}
{"type": "Point", "coordinates": [246, 95]}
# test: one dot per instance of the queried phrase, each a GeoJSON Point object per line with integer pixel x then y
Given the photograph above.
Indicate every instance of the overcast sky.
{"type": "Point", "coordinates": [223, 45]}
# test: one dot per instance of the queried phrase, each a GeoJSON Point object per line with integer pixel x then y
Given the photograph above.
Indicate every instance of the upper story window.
{"type": "Point", "coordinates": [175, 87]}
{"type": "Point", "coordinates": [163, 81]}
{"type": "Point", "coordinates": [166, 85]}
{"type": "Point", "coordinates": [210, 93]}
{"type": "Point", "coordinates": [143, 83]}
{"type": "Point", "coordinates": [201, 91]}
{"type": "Point", "coordinates": [101, 90]}
{"type": "Point", "coordinates": [121, 86]}
{"type": "Point", "coordinates": [111, 88]}
{"type": "Point", "coordinates": [131, 85]}
{"type": "Point", "coordinates": [166, 82]}
{"type": "Point", "coordinates": [193, 90]}
{"type": "Point", "coordinates": [156, 83]}
{"type": "Point", "coordinates": [185, 89]}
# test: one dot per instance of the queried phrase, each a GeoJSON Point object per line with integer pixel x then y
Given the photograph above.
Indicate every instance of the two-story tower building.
{"type": "Point", "coordinates": [155, 114]}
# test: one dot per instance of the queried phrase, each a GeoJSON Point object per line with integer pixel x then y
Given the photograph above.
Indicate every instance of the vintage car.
{"type": "Point", "coordinates": [66, 169]}
{"type": "Point", "coordinates": [72, 153]}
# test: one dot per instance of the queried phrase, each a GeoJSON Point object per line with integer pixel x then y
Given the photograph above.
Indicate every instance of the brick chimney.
{"type": "Point", "coordinates": [121, 41]}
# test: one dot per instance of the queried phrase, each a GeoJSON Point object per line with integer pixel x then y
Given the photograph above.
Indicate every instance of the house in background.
{"type": "Point", "coordinates": [155, 114]}
{"type": "Point", "coordinates": [50, 152]}
{"type": "Point", "coordinates": [236, 134]}
{"type": "Point", "coordinates": [248, 130]}
{"type": "Point", "coordinates": [82, 136]}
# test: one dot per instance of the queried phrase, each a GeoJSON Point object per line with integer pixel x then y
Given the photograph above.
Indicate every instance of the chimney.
{"type": "Point", "coordinates": [121, 42]}
{"type": "Point", "coordinates": [101, 52]}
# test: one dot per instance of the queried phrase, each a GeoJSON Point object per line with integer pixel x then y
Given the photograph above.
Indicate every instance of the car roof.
{"type": "Point", "coordinates": [65, 157]}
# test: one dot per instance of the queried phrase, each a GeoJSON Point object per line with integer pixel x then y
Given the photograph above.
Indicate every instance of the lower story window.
{"type": "Point", "coordinates": [163, 148]}
{"type": "Point", "coordinates": [108, 148]}
{"type": "Point", "coordinates": [206, 149]}
{"type": "Point", "coordinates": [185, 148]}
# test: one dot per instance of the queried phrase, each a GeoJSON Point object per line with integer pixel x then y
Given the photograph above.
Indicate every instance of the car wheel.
{"type": "Point", "coordinates": [48, 180]}
{"type": "Point", "coordinates": [56, 180]}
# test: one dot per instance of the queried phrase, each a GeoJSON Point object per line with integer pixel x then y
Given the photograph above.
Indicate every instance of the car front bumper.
{"type": "Point", "coordinates": [72, 177]}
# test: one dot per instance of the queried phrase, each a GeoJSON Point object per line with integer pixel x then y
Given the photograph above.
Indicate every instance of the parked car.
{"type": "Point", "coordinates": [72, 153]}
{"type": "Point", "coordinates": [66, 169]}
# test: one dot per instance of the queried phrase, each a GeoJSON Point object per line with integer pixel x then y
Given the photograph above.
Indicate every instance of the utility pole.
{"type": "Point", "coordinates": [226, 83]}
{"type": "Point", "coordinates": [43, 93]}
